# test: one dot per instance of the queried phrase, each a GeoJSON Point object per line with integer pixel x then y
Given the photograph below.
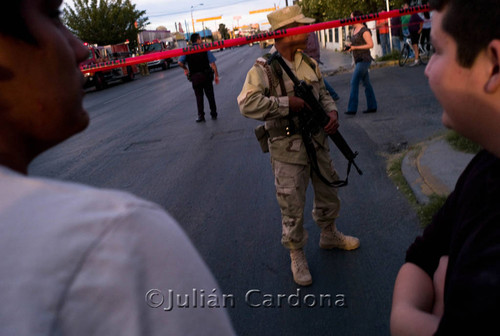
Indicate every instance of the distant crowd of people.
{"type": "Point", "coordinates": [417, 26]}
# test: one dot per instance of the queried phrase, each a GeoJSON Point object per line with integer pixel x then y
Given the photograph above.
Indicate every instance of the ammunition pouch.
{"type": "Point", "coordinates": [280, 132]}
{"type": "Point", "coordinates": [283, 127]}
{"type": "Point", "coordinates": [262, 137]}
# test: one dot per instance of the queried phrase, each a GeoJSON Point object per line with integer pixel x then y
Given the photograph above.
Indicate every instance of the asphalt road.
{"type": "Point", "coordinates": [214, 180]}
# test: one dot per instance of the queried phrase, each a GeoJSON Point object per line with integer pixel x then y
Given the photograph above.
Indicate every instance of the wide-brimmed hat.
{"type": "Point", "coordinates": [285, 16]}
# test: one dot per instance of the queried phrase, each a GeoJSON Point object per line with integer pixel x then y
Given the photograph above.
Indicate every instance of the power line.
{"type": "Point", "coordinates": [188, 10]}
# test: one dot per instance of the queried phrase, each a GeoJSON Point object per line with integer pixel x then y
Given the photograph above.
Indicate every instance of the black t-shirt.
{"type": "Point", "coordinates": [357, 39]}
{"type": "Point", "coordinates": [198, 62]}
{"type": "Point", "coordinates": [467, 229]}
{"type": "Point", "coordinates": [415, 21]}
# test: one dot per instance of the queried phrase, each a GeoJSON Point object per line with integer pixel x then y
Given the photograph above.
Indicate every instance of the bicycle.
{"type": "Point", "coordinates": [425, 52]}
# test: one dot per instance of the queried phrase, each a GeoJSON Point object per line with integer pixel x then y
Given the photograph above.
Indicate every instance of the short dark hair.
{"type": "Point", "coordinates": [194, 37]}
{"type": "Point", "coordinates": [472, 24]}
{"type": "Point", "coordinates": [13, 23]}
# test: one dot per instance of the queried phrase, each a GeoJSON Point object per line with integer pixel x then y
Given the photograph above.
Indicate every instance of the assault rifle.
{"type": "Point", "coordinates": [317, 118]}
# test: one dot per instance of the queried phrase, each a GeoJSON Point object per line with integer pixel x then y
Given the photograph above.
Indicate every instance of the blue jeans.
{"type": "Point", "coordinates": [331, 91]}
{"type": "Point", "coordinates": [361, 75]}
{"type": "Point", "coordinates": [396, 43]}
{"type": "Point", "coordinates": [384, 42]}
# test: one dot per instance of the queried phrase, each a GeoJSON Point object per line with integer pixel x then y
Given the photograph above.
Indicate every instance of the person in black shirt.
{"type": "Point", "coordinates": [397, 33]}
{"type": "Point", "coordinates": [450, 283]}
{"type": "Point", "coordinates": [202, 71]}
{"type": "Point", "coordinates": [361, 43]}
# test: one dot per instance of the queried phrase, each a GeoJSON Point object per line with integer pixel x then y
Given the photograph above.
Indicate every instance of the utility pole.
{"type": "Point", "coordinates": [389, 25]}
{"type": "Point", "coordinates": [192, 20]}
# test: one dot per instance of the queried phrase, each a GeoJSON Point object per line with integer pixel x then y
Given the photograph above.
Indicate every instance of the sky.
{"type": "Point", "coordinates": [167, 12]}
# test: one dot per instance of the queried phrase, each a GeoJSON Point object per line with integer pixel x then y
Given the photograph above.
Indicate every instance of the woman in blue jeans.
{"type": "Point", "coordinates": [361, 43]}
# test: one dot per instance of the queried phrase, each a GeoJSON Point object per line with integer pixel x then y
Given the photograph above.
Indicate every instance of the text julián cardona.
{"type": "Point", "coordinates": [254, 298]}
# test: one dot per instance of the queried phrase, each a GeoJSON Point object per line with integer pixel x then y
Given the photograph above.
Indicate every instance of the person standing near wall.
{"type": "Point", "coordinates": [425, 38]}
{"type": "Point", "coordinates": [397, 33]}
{"type": "Point", "coordinates": [361, 43]}
{"type": "Point", "coordinates": [415, 28]}
{"type": "Point", "coordinates": [383, 30]}
{"type": "Point", "coordinates": [405, 20]}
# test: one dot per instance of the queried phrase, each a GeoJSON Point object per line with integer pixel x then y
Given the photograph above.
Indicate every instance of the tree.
{"type": "Point", "coordinates": [329, 10]}
{"type": "Point", "coordinates": [105, 22]}
{"type": "Point", "coordinates": [224, 32]}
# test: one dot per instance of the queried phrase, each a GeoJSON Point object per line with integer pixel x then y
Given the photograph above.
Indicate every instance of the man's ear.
{"type": "Point", "coordinates": [493, 54]}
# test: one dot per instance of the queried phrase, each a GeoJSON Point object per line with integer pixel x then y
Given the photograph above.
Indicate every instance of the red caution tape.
{"type": "Point", "coordinates": [250, 39]}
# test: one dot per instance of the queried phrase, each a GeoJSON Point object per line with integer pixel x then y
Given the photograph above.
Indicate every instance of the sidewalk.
{"type": "Point", "coordinates": [432, 168]}
{"type": "Point", "coordinates": [334, 61]}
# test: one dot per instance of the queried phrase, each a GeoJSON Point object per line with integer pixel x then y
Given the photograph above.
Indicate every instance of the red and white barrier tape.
{"type": "Point", "coordinates": [250, 39]}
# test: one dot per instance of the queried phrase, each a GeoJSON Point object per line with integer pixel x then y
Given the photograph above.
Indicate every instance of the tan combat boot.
{"type": "Point", "coordinates": [332, 238]}
{"type": "Point", "coordinates": [300, 269]}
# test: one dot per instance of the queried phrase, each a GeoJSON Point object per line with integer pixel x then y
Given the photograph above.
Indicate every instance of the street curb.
{"type": "Point", "coordinates": [409, 169]}
{"type": "Point", "coordinates": [384, 64]}
{"type": "Point", "coordinates": [432, 168]}
{"type": "Point", "coordinates": [374, 65]}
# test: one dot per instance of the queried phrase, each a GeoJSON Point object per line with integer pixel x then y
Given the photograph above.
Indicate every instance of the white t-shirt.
{"type": "Point", "coordinates": [77, 260]}
{"type": "Point", "coordinates": [427, 22]}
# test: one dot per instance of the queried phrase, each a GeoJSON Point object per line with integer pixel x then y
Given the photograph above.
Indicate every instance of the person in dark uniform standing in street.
{"type": "Point", "coordinates": [202, 71]}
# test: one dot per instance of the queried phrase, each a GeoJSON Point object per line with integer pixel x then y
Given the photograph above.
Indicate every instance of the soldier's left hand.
{"type": "Point", "coordinates": [333, 124]}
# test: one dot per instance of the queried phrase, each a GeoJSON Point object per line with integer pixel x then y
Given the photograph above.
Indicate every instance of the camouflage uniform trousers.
{"type": "Point", "coordinates": [291, 181]}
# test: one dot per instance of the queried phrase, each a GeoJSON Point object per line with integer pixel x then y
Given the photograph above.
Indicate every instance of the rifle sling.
{"type": "Point", "coordinates": [313, 159]}
{"type": "Point", "coordinates": [306, 136]}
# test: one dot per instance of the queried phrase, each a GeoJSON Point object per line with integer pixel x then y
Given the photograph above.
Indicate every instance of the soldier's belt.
{"type": "Point", "coordinates": [282, 127]}
{"type": "Point", "coordinates": [281, 131]}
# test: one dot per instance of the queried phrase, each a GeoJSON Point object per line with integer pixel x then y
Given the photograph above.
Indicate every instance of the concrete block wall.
{"type": "Point", "coordinates": [334, 38]}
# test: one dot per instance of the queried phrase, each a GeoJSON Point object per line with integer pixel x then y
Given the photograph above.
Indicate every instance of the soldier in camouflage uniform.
{"type": "Point", "coordinates": [268, 95]}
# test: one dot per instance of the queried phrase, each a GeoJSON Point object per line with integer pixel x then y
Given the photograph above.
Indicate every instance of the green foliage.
{"type": "Point", "coordinates": [224, 32]}
{"type": "Point", "coordinates": [461, 143]}
{"type": "Point", "coordinates": [105, 22]}
{"type": "Point", "coordinates": [394, 56]}
{"type": "Point", "coordinates": [396, 175]}
{"type": "Point", "coordinates": [427, 211]}
{"type": "Point", "coordinates": [329, 10]}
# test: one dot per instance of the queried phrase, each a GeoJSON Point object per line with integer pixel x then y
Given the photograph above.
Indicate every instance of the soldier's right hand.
{"type": "Point", "coordinates": [296, 105]}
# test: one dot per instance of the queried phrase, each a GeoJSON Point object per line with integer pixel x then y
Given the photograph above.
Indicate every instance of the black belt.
{"type": "Point", "coordinates": [287, 128]}
{"type": "Point", "coordinates": [280, 132]}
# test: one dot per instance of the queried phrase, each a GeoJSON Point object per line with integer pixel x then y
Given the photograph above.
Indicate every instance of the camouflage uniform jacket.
{"type": "Point", "coordinates": [261, 98]}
